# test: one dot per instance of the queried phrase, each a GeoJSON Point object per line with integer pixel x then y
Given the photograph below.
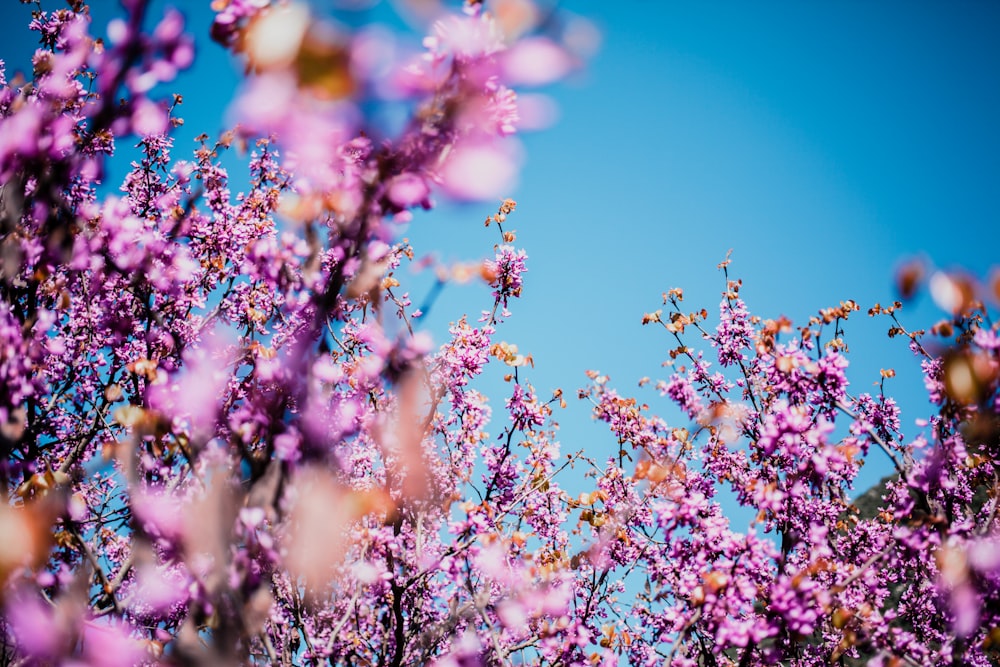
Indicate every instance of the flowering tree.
{"type": "Point", "coordinates": [226, 441]}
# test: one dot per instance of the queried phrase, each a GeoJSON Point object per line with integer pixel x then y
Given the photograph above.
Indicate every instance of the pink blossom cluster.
{"type": "Point", "coordinates": [227, 440]}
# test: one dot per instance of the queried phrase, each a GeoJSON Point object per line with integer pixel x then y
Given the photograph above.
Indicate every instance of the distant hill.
{"type": "Point", "coordinates": [870, 502]}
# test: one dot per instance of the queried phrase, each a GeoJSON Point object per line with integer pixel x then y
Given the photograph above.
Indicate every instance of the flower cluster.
{"type": "Point", "coordinates": [813, 578]}
{"type": "Point", "coordinates": [226, 439]}
{"type": "Point", "coordinates": [223, 437]}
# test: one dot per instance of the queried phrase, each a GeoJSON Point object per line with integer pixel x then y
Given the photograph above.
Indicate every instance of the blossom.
{"type": "Point", "coordinates": [229, 438]}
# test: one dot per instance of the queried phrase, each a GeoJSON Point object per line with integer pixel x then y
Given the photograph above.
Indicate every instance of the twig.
{"type": "Point", "coordinates": [269, 647]}
{"type": "Point", "coordinates": [682, 636]}
{"type": "Point", "coordinates": [874, 436]}
{"type": "Point", "coordinates": [854, 576]}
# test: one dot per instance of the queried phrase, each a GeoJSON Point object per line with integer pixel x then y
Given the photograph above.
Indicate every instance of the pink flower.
{"type": "Point", "coordinates": [479, 171]}
{"type": "Point", "coordinates": [535, 61]}
{"type": "Point", "coordinates": [408, 190]}
{"type": "Point", "coordinates": [148, 118]}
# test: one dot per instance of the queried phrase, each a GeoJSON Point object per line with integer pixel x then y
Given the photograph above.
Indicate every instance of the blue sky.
{"type": "Point", "coordinates": [823, 142]}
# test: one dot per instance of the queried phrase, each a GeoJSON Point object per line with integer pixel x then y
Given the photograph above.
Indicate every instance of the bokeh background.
{"type": "Point", "coordinates": [823, 142]}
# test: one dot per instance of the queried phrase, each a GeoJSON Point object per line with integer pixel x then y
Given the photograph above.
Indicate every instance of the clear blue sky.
{"type": "Point", "coordinates": [823, 142]}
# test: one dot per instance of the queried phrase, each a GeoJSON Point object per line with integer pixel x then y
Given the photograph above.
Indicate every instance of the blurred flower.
{"type": "Point", "coordinates": [479, 170]}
